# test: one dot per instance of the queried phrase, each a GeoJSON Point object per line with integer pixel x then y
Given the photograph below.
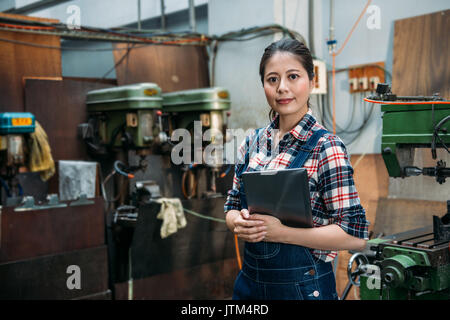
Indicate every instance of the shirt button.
{"type": "Point", "coordinates": [316, 293]}
{"type": "Point", "coordinates": [312, 272]}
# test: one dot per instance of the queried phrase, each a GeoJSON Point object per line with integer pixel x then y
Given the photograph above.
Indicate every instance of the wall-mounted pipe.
{"type": "Point", "coordinates": [192, 16]}
{"type": "Point", "coordinates": [163, 15]}
{"type": "Point", "coordinates": [35, 6]}
{"type": "Point", "coordinates": [311, 27]}
{"type": "Point", "coordinates": [139, 14]}
{"type": "Point", "coordinates": [331, 40]}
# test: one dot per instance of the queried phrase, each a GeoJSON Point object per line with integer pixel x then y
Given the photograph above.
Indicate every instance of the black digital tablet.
{"type": "Point", "coordinates": [281, 193]}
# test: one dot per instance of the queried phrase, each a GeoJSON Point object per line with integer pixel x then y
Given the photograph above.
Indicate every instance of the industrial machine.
{"type": "Point", "coordinates": [133, 132]}
{"type": "Point", "coordinates": [14, 127]}
{"type": "Point", "coordinates": [202, 113]}
{"type": "Point", "coordinates": [122, 119]}
{"type": "Point", "coordinates": [125, 117]}
{"type": "Point", "coordinates": [140, 118]}
{"type": "Point", "coordinates": [414, 264]}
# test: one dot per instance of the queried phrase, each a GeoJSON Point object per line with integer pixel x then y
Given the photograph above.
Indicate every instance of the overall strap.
{"type": "Point", "coordinates": [241, 169]}
{"type": "Point", "coordinates": [306, 149]}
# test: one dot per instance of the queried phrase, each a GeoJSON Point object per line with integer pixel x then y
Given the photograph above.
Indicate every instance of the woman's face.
{"type": "Point", "coordinates": [286, 84]}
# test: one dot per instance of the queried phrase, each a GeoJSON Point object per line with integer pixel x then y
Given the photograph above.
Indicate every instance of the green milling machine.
{"type": "Point", "coordinates": [412, 265]}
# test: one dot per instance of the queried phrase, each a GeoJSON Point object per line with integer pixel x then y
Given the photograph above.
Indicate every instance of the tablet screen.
{"type": "Point", "coordinates": [282, 193]}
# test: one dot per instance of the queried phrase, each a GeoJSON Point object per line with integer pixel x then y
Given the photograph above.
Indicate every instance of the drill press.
{"type": "Point", "coordinates": [14, 128]}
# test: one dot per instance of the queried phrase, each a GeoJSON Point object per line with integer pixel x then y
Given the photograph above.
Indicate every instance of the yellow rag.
{"type": "Point", "coordinates": [172, 214]}
{"type": "Point", "coordinates": [40, 154]}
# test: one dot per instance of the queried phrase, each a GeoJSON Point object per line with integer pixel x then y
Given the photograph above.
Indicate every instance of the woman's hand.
{"type": "Point", "coordinates": [273, 226]}
{"type": "Point", "coordinates": [247, 228]}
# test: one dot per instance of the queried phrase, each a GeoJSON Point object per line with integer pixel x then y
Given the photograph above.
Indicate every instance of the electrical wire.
{"type": "Point", "coordinates": [66, 48]}
{"type": "Point", "coordinates": [225, 172]}
{"type": "Point", "coordinates": [334, 54]}
{"type": "Point", "coordinates": [387, 72]}
{"type": "Point", "coordinates": [124, 35]}
{"type": "Point", "coordinates": [185, 36]}
{"type": "Point", "coordinates": [113, 36]}
{"type": "Point", "coordinates": [273, 28]}
{"type": "Point", "coordinates": [193, 187]}
{"type": "Point", "coordinates": [327, 116]}
{"type": "Point", "coordinates": [203, 216]}
{"type": "Point", "coordinates": [21, 27]}
{"type": "Point", "coordinates": [238, 255]}
{"type": "Point", "coordinates": [256, 32]}
{"type": "Point", "coordinates": [350, 122]}
{"type": "Point", "coordinates": [118, 62]}
{"type": "Point", "coordinates": [120, 171]}
{"type": "Point", "coordinates": [347, 134]}
{"type": "Point", "coordinates": [152, 38]}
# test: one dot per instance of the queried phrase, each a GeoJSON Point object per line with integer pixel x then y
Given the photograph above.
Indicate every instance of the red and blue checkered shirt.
{"type": "Point", "coordinates": [334, 199]}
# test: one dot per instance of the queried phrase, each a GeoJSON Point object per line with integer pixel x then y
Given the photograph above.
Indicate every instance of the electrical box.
{"type": "Point", "coordinates": [373, 83]}
{"type": "Point", "coordinates": [320, 77]}
{"type": "Point", "coordinates": [363, 83]}
{"type": "Point", "coordinates": [365, 77]}
{"type": "Point", "coordinates": [353, 83]}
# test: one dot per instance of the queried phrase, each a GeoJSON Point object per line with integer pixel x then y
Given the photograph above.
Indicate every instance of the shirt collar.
{"type": "Point", "coordinates": [300, 131]}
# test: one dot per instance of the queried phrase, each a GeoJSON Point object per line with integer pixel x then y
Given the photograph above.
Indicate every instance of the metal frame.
{"type": "Point", "coordinates": [36, 6]}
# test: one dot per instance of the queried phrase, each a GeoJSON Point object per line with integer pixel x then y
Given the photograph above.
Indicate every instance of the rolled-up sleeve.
{"type": "Point", "coordinates": [338, 190]}
{"type": "Point", "coordinates": [233, 201]}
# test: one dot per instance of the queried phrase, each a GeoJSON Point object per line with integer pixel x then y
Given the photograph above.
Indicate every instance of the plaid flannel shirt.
{"type": "Point", "coordinates": [334, 199]}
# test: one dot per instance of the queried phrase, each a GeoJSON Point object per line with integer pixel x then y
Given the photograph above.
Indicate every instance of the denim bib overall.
{"type": "Point", "coordinates": [278, 271]}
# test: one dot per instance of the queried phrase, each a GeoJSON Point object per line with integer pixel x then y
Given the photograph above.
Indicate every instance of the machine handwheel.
{"type": "Point", "coordinates": [360, 260]}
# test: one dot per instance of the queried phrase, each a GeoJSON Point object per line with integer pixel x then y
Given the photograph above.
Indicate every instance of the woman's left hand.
{"type": "Point", "coordinates": [273, 225]}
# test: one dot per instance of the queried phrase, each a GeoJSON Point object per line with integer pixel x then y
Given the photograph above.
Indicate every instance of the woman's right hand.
{"type": "Point", "coordinates": [246, 229]}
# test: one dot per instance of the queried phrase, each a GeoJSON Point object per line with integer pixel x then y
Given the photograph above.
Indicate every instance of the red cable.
{"type": "Point", "coordinates": [238, 255]}
{"type": "Point", "coordinates": [406, 102]}
{"type": "Point", "coordinates": [334, 54]}
{"type": "Point", "coordinates": [14, 26]}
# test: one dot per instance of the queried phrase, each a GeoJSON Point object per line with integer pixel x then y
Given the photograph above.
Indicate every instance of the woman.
{"type": "Point", "coordinates": [282, 262]}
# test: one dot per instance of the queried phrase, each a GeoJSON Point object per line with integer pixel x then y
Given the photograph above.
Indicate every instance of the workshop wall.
{"type": "Point", "coordinates": [236, 69]}
{"type": "Point", "coordinates": [114, 13]}
{"type": "Point", "coordinates": [237, 63]}
{"type": "Point", "coordinates": [18, 61]}
{"type": "Point", "coordinates": [367, 45]}
{"type": "Point", "coordinates": [92, 59]}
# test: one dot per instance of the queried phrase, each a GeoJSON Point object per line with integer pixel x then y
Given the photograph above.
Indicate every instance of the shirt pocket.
{"type": "Point", "coordinates": [258, 162]}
